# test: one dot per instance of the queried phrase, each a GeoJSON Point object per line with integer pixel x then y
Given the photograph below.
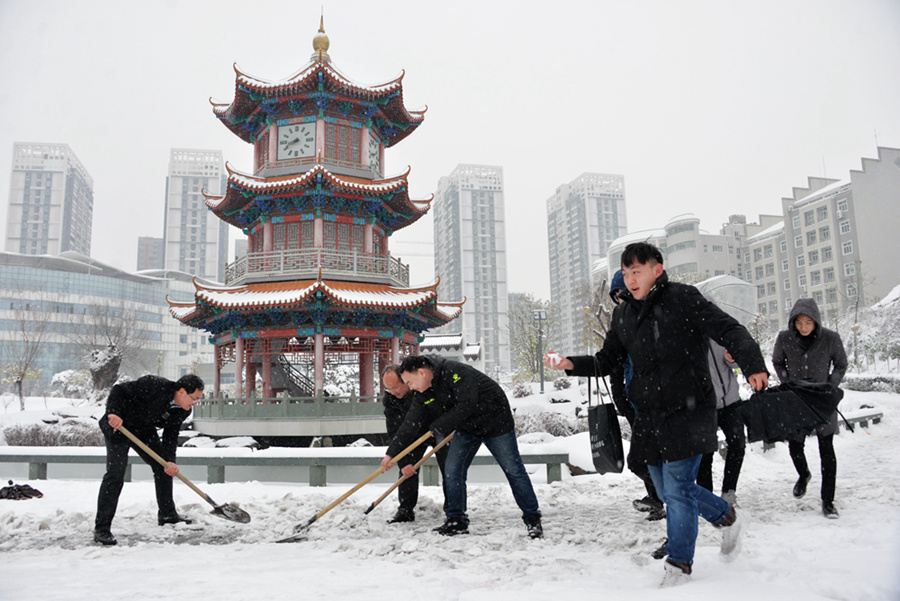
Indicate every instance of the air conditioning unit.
{"type": "Point", "coordinates": [840, 214]}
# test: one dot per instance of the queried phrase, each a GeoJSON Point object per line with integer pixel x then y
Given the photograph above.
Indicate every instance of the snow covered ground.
{"type": "Point", "coordinates": [596, 545]}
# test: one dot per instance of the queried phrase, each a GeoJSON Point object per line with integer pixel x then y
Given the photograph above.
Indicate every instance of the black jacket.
{"type": "Point", "coordinates": [144, 405]}
{"type": "Point", "coordinates": [460, 398]}
{"type": "Point", "coordinates": [671, 389]}
{"type": "Point", "coordinates": [395, 411]}
{"type": "Point", "coordinates": [819, 358]}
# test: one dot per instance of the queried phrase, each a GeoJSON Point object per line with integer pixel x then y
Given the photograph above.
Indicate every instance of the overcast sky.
{"type": "Point", "coordinates": [712, 108]}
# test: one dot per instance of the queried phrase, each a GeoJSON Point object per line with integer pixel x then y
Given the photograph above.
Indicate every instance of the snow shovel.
{"type": "Point", "coordinates": [229, 512]}
{"type": "Point", "coordinates": [300, 529]}
{"type": "Point", "coordinates": [415, 466]}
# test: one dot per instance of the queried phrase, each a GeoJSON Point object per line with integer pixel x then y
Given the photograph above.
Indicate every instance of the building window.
{"type": "Point", "coordinates": [784, 246]}
{"type": "Point", "coordinates": [771, 289]}
{"type": "Point", "coordinates": [851, 289]}
{"type": "Point", "coordinates": [760, 291]}
{"type": "Point", "coordinates": [718, 248]}
{"type": "Point", "coordinates": [773, 307]}
{"type": "Point", "coordinates": [802, 281]}
{"type": "Point", "coordinates": [749, 275]}
{"type": "Point", "coordinates": [831, 295]}
{"type": "Point", "coordinates": [809, 218]}
{"type": "Point", "coordinates": [826, 254]}
{"type": "Point", "coordinates": [822, 213]}
{"type": "Point", "coordinates": [759, 273]}
{"type": "Point", "coordinates": [342, 143]}
{"type": "Point", "coordinates": [757, 254]}
{"type": "Point", "coordinates": [815, 278]}
{"type": "Point", "coordinates": [785, 265]}
{"type": "Point", "coordinates": [825, 234]}
{"type": "Point", "coordinates": [762, 308]}
{"type": "Point", "coordinates": [845, 226]}
{"type": "Point", "coordinates": [819, 297]}
{"type": "Point", "coordinates": [787, 284]}
{"type": "Point", "coordinates": [847, 247]}
{"type": "Point", "coordinates": [811, 237]}
{"type": "Point", "coordinates": [849, 269]}
{"type": "Point", "coordinates": [801, 260]}
{"type": "Point", "coordinates": [798, 241]}
{"type": "Point", "coordinates": [770, 269]}
{"type": "Point", "coordinates": [828, 274]}
{"type": "Point", "coordinates": [813, 257]}
{"type": "Point", "coordinates": [796, 222]}
{"type": "Point", "coordinates": [746, 257]}
{"type": "Point", "coordinates": [842, 206]}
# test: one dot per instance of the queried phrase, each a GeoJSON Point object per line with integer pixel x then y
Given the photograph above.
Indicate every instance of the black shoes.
{"type": "Point", "coordinates": [800, 486]}
{"type": "Point", "coordinates": [104, 537]}
{"type": "Point", "coordinates": [656, 514]}
{"type": "Point", "coordinates": [403, 515]}
{"type": "Point", "coordinates": [172, 519]}
{"type": "Point", "coordinates": [452, 527]}
{"type": "Point", "coordinates": [660, 552]}
{"type": "Point", "coordinates": [648, 503]}
{"type": "Point", "coordinates": [535, 530]}
{"type": "Point", "coordinates": [829, 511]}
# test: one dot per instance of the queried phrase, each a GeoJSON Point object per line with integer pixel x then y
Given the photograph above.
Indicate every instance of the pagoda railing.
{"type": "Point", "coordinates": [305, 263]}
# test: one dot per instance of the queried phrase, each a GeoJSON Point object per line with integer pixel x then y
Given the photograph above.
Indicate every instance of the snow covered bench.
{"type": "Point", "coordinates": [216, 460]}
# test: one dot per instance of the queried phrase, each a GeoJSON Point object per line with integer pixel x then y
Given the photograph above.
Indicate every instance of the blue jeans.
{"type": "Point", "coordinates": [506, 451]}
{"type": "Point", "coordinates": [685, 500]}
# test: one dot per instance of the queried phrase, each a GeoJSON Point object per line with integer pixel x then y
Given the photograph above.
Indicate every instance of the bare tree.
{"type": "Point", "coordinates": [525, 332]}
{"type": "Point", "coordinates": [31, 328]}
{"type": "Point", "coordinates": [108, 326]}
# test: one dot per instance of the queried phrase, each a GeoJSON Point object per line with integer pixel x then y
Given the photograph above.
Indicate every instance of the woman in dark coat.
{"type": "Point", "coordinates": [807, 351]}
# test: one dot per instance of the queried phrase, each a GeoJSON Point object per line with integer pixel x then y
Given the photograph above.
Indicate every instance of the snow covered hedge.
{"type": "Point", "coordinates": [69, 433]}
{"type": "Point", "coordinates": [871, 383]}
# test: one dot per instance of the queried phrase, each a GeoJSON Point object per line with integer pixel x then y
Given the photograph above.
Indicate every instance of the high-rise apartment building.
{"type": "Point", "coordinates": [51, 201]}
{"type": "Point", "coordinates": [583, 218]}
{"type": "Point", "coordinates": [150, 253]}
{"type": "Point", "coordinates": [470, 257]}
{"type": "Point", "coordinates": [195, 240]}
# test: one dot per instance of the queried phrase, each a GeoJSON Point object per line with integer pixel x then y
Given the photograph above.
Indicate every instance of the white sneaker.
{"type": "Point", "coordinates": [733, 535]}
{"type": "Point", "coordinates": [730, 496]}
{"type": "Point", "coordinates": [675, 575]}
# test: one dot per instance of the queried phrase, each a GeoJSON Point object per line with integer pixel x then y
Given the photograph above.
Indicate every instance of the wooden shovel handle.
{"type": "Point", "coordinates": [163, 462]}
{"type": "Point", "coordinates": [418, 463]}
{"type": "Point", "coordinates": [374, 475]}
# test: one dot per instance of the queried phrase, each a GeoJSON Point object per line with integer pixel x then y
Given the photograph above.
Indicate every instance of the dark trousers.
{"type": "Point", "coordinates": [117, 446]}
{"type": "Point", "coordinates": [408, 491]}
{"type": "Point", "coordinates": [731, 422]}
{"type": "Point", "coordinates": [828, 460]}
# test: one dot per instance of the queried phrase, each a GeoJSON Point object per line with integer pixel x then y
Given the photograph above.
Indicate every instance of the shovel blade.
{"type": "Point", "coordinates": [232, 513]}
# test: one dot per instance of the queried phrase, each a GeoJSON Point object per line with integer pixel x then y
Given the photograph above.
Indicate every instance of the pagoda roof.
{"type": "Point", "coordinates": [217, 308]}
{"type": "Point", "coordinates": [248, 197]}
{"type": "Point", "coordinates": [256, 100]}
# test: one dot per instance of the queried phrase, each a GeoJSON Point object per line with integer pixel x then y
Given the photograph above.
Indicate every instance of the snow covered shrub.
{"type": "Point", "coordinates": [70, 433]}
{"type": "Point", "coordinates": [557, 424]}
{"type": "Point", "coordinates": [562, 383]}
{"type": "Point", "coordinates": [522, 389]}
{"type": "Point", "coordinates": [72, 383]}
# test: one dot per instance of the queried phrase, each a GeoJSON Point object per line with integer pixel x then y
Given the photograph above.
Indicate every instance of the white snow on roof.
{"type": "Point", "coordinates": [891, 297]}
{"type": "Point", "coordinates": [307, 70]}
{"type": "Point", "coordinates": [834, 187]}
{"type": "Point", "coordinates": [447, 340]}
{"type": "Point", "coordinates": [392, 297]}
{"type": "Point", "coordinates": [640, 236]}
{"type": "Point", "coordinates": [768, 231]}
{"type": "Point", "coordinates": [472, 351]}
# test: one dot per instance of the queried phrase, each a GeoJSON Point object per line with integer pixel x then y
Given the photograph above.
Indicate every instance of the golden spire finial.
{"type": "Point", "coordinates": [321, 43]}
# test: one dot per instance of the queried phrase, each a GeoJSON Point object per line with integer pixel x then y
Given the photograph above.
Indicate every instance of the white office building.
{"type": "Point", "coordinates": [51, 201]}
{"type": "Point", "coordinates": [195, 240]}
{"type": "Point", "coordinates": [470, 257]}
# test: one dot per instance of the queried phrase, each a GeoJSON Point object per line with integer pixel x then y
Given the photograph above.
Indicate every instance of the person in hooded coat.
{"type": "Point", "coordinates": [663, 326]}
{"type": "Point", "coordinates": [619, 380]}
{"type": "Point", "coordinates": [807, 351]}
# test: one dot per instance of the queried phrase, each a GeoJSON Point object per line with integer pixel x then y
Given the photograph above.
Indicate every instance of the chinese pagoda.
{"type": "Point", "coordinates": [318, 287]}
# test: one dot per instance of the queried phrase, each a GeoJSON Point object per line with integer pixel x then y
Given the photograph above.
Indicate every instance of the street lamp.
{"type": "Point", "coordinates": [540, 316]}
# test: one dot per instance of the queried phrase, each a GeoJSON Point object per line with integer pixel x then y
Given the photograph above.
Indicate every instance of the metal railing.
{"type": "Point", "coordinates": [288, 408]}
{"type": "Point", "coordinates": [305, 264]}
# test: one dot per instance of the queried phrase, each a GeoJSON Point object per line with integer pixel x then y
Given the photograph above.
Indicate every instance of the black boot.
{"type": "Point", "coordinates": [172, 519]}
{"type": "Point", "coordinates": [535, 529]}
{"type": "Point", "coordinates": [452, 527]}
{"type": "Point", "coordinates": [104, 537]}
{"type": "Point", "coordinates": [800, 486]}
{"type": "Point", "coordinates": [403, 515]}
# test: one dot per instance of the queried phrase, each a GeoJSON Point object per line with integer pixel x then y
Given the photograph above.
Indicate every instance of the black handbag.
{"type": "Point", "coordinates": [606, 437]}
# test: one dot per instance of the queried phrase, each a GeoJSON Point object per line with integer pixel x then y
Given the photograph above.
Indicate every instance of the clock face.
{"type": "Point", "coordinates": [296, 141]}
{"type": "Point", "coordinates": [374, 152]}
